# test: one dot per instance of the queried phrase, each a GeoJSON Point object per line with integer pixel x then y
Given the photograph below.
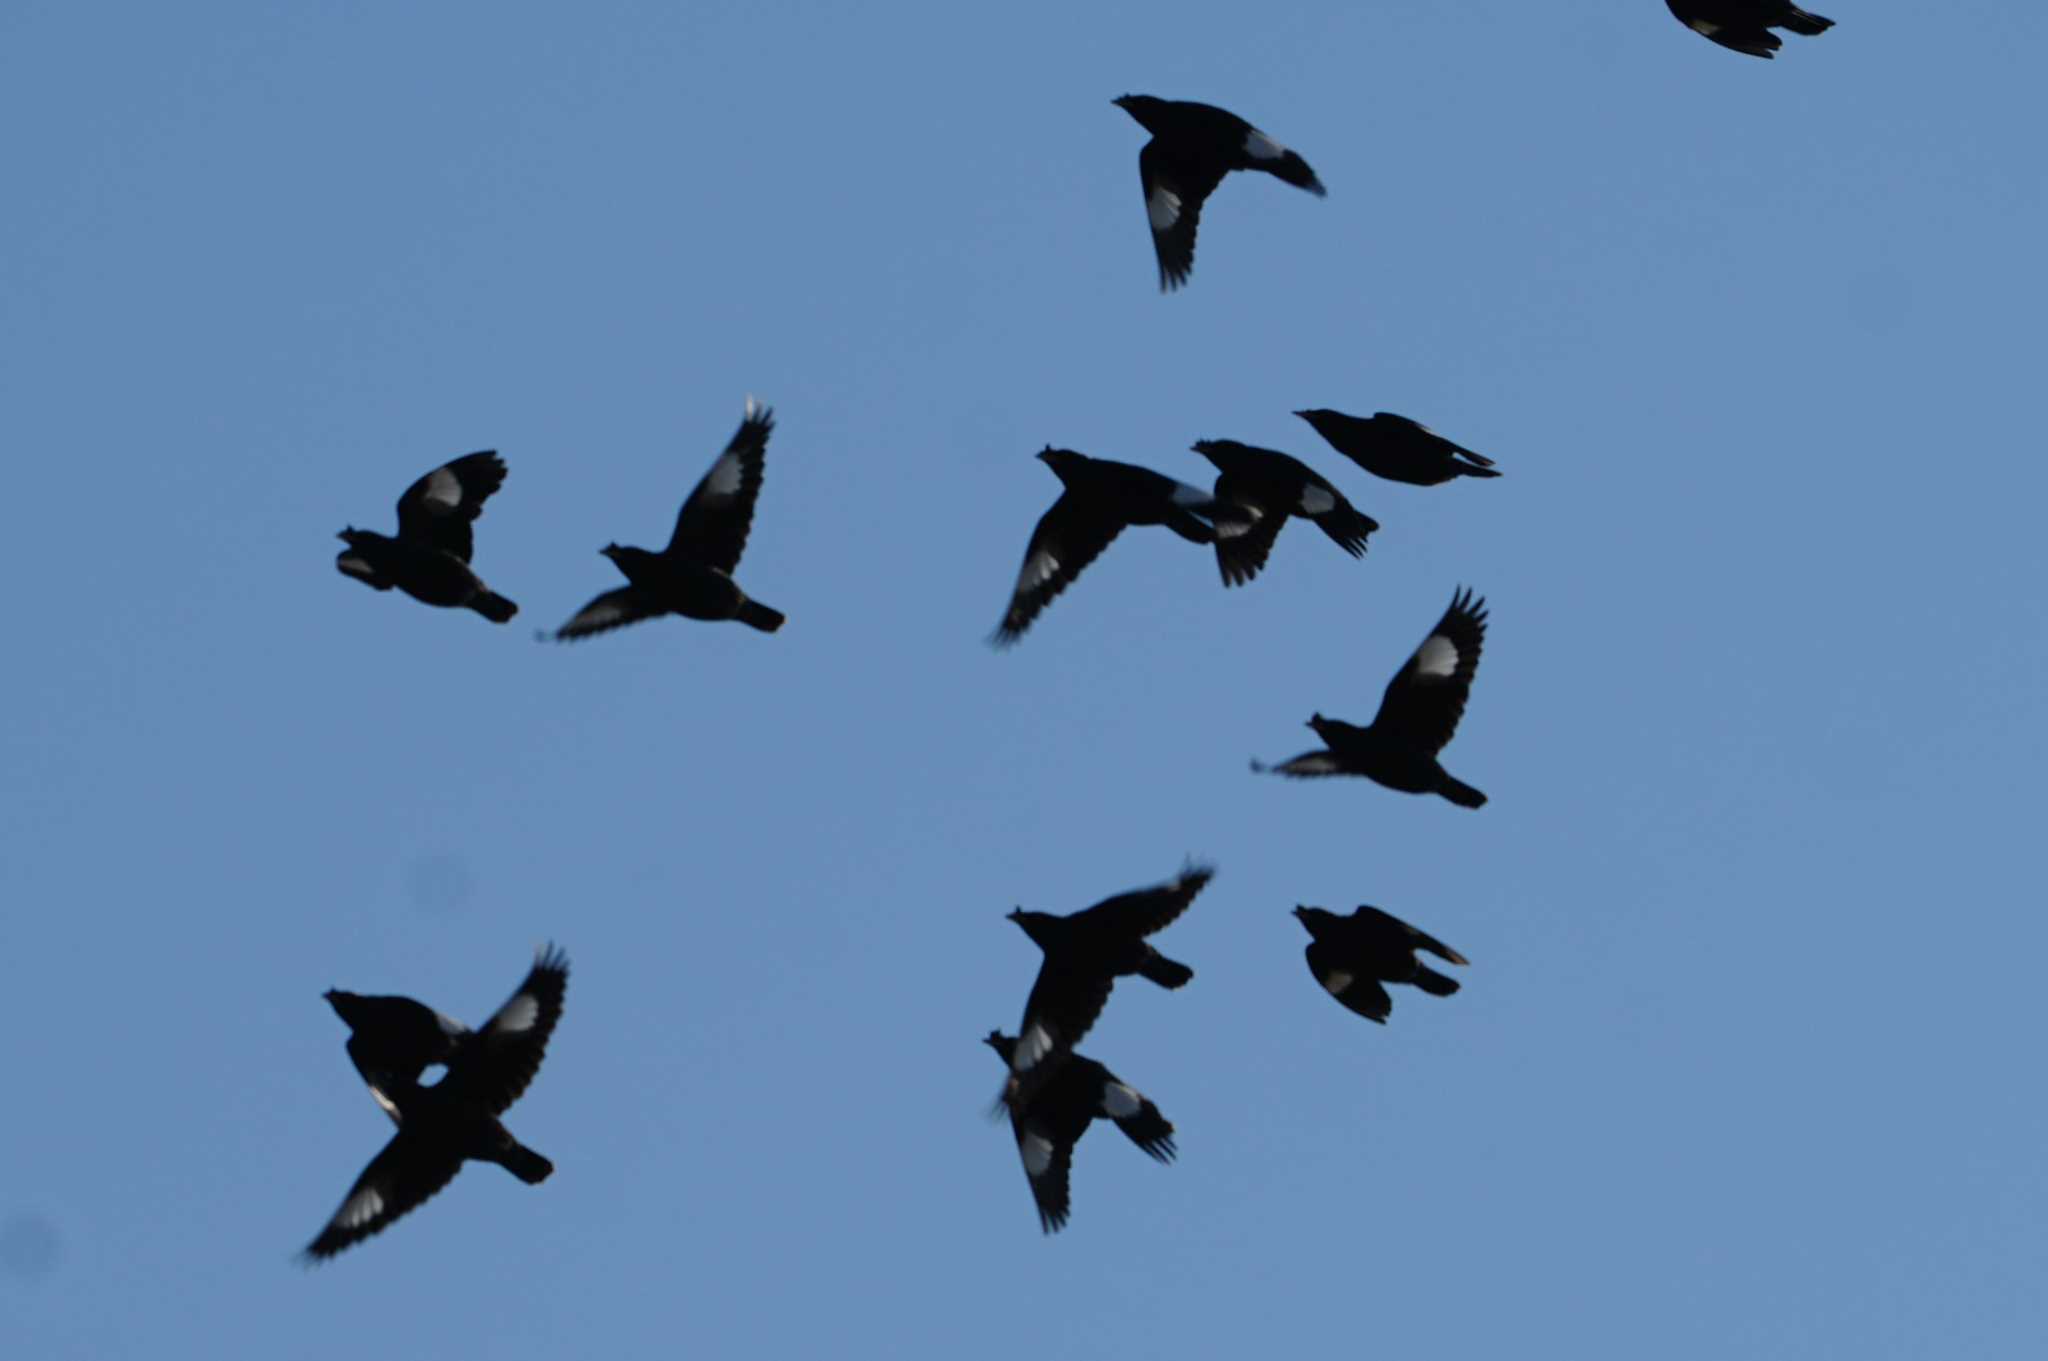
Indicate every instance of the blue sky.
{"type": "Point", "coordinates": [1746, 1059]}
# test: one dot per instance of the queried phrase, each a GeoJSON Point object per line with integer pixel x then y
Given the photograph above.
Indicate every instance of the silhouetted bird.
{"type": "Point", "coordinates": [1745, 25]}
{"type": "Point", "coordinates": [1417, 716]}
{"type": "Point", "coordinates": [1085, 953]}
{"type": "Point", "coordinates": [1351, 956]}
{"type": "Point", "coordinates": [1397, 448]}
{"type": "Point", "coordinates": [454, 1120]}
{"type": "Point", "coordinates": [693, 575]}
{"type": "Point", "coordinates": [1058, 1113]}
{"type": "Point", "coordinates": [1273, 486]}
{"type": "Point", "coordinates": [395, 1039]}
{"type": "Point", "coordinates": [1102, 497]}
{"type": "Point", "coordinates": [1193, 147]}
{"type": "Point", "coordinates": [429, 560]}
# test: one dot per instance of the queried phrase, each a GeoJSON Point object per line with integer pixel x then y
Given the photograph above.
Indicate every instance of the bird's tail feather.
{"type": "Point", "coordinates": [1295, 171]}
{"type": "Point", "coordinates": [1432, 982]}
{"type": "Point", "coordinates": [1460, 793]}
{"type": "Point", "coordinates": [1799, 21]}
{"type": "Point", "coordinates": [527, 1165]}
{"type": "Point", "coordinates": [493, 607]}
{"type": "Point", "coordinates": [756, 615]}
{"type": "Point", "coordinates": [1167, 973]}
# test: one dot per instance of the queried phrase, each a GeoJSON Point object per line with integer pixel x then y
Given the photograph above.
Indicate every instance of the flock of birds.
{"type": "Point", "coordinates": [1051, 1092]}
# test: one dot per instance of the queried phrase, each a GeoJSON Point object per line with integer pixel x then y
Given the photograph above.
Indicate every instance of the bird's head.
{"type": "Point", "coordinates": [351, 536]}
{"type": "Point", "coordinates": [1320, 418]}
{"type": "Point", "coordinates": [610, 550]}
{"type": "Point", "coordinates": [1144, 108]}
{"type": "Point", "coordinates": [1063, 462]}
{"type": "Point", "coordinates": [1032, 923]}
{"type": "Point", "coordinates": [1001, 1043]}
{"type": "Point", "coordinates": [1317, 721]}
{"type": "Point", "coordinates": [344, 1004]}
{"type": "Point", "coordinates": [1312, 917]}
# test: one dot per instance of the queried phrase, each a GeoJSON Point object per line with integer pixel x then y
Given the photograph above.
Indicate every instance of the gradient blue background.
{"type": "Point", "coordinates": [1747, 1062]}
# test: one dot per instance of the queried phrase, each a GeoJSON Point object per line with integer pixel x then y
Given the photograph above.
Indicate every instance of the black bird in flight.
{"type": "Point", "coordinates": [1085, 953]}
{"type": "Point", "coordinates": [1417, 716]}
{"type": "Point", "coordinates": [1193, 147]}
{"type": "Point", "coordinates": [1352, 956]}
{"type": "Point", "coordinates": [442, 1125]}
{"type": "Point", "coordinates": [1397, 448]}
{"type": "Point", "coordinates": [429, 560]}
{"type": "Point", "coordinates": [1057, 1114]}
{"type": "Point", "coordinates": [1100, 498]}
{"type": "Point", "coordinates": [693, 575]}
{"type": "Point", "coordinates": [1272, 486]}
{"type": "Point", "coordinates": [1745, 25]}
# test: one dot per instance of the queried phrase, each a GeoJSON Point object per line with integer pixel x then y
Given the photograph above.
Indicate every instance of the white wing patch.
{"type": "Point", "coordinates": [519, 1014]}
{"type": "Point", "coordinates": [1194, 498]}
{"type": "Point", "coordinates": [1437, 656]}
{"type": "Point", "coordinates": [1037, 1151]}
{"type": "Point", "coordinates": [724, 478]}
{"type": "Point", "coordinates": [444, 490]}
{"type": "Point", "coordinates": [360, 1208]}
{"type": "Point", "coordinates": [1261, 147]}
{"type": "Point", "coordinates": [1034, 1044]}
{"type": "Point", "coordinates": [1315, 500]}
{"type": "Point", "coordinates": [1313, 763]}
{"type": "Point", "coordinates": [1336, 982]}
{"type": "Point", "coordinates": [1039, 568]}
{"type": "Point", "coordinates": [1120, 1102]}
{"type": "Point", "coordinates": [1162, 206]}
{"type": "Point", "coordinates": [449, 1025]}
{"type": "Point", "coordinates": [356, 567]}
{"type": "Point", "coordinates": [1702, 27]}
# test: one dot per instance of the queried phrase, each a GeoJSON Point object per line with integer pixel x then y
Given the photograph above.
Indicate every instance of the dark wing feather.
{"type": "Point", "coordinates": [1063, 1004]}
{"type": "Point", "coordinates": [1241, 548]}
{"type": "Point", "coordinates": [497, 1062]}
{"type": "Point", "coordinates": [1427, 696]}
{"type": "Point", "coordinates": [1049, 1184]}
{"type": "Point", "coordinates": [1069, 536]}
{"type": "Point", "coordinates": [1402, 933]}
{"type": "Point", "coordinates": [1145, 910]}
{"type": "Point", "coordinates": [1174, 192]}
{"type": "Point", "coordinates": [404, 1176]}
{"type": "Point", "coordinates": [712, 526]}
{"type": "Point", "coordinates": [612, 610]}
{"type": "Point", "coordinates": [1349, 986]}
{"type": "Point", "coordinates": [438, 509]}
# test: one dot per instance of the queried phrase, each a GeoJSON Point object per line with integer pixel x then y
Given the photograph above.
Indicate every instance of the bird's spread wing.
{"type": "Point", "coordinates": [496, 1063]}
{"type": "Point", "coordinates": [406, 1175]}
{"type": "Point", "coordinates": [1243, 545]}
{"type": "Point", "coordinates": [1145, 910]}
{"type": "Point", "coordinates": [712, 525]}
{"type": "Point", "coordinates": [438, 509]}
{"type": "Point", "coordinates": [1414, 937]}
{"type": "Point", "coordinates": [1048, 1161]}
{"type": "Point", "coordinates": [1427, 696]}
{"type": "Point", "coordinates": [1308, 765]}
{"type": "Point", "coordinates": [1137, 1117]}
{"type": "Point", "coordinates": [1069, 537]}
{"type": "Point", "coordinates": [1363, 995]}
{"type": "Point", "coordinates": [1174, 192]}
{"type": "Point", "coordinates": [1062, 1006]}
{"type": "Point", "coordinates": [612, 610]}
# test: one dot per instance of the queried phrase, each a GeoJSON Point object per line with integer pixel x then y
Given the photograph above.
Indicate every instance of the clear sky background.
{"type": "Point", "coordinates": [1747, 1062]}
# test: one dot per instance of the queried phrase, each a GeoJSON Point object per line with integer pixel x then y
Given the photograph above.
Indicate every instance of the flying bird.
{"type": "Point", "coordinates": [1397, 448]}
{"type": "Point", "coordinates": [1193, 147]}
{"type": "Point", "coordinates": [454, 1120]}
{"type": "Point", "coordinates": [1101, 497]}
{"type": "Point", "coordinates": [1417, 716]}
{"type": "Point", "coordinates": [429, 558]}
{"type": "Point", "coordinates": [1745, 25]}
{"type": "Point", "coordinates": [693, 575]}
{"type": "Point", "coordinates": [1085, 953]}
{"type": "Point", "coordinates": [1272, 486]}
{"type": "Point", "coordinates": [1352, 956]}
{"type": "Point", "coordinates": [1058, 1113]}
